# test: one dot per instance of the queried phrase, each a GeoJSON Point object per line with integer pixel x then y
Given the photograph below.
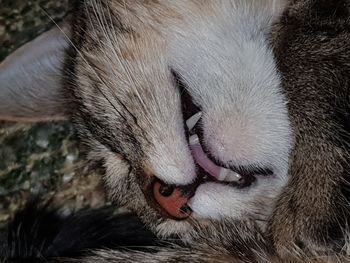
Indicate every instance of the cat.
{"type": "Point", "coordinates": [206, 129]}
{"type": "Point", "coordinates": [151, 44]}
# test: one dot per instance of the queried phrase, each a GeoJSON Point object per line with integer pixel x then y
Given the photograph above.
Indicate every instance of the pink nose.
{"type": "Point", "coordinates": [172, 201]}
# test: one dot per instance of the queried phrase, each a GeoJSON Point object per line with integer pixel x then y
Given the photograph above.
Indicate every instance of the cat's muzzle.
{"type": "Point", "coordinates": [172, 200]}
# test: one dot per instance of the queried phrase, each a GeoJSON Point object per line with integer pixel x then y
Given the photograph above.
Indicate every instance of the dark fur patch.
{"type": "Point", "coordinates": [313, 51]}
{"type": "Point", "coordinates": [41, 233]}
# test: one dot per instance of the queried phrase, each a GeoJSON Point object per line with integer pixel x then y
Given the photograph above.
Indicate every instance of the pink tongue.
{"type": "Point", "coordinates": [202, 159]}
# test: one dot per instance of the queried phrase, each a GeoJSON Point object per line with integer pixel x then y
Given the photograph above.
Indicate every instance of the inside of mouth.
{"type": "Point", "coordinates": [201, 159]}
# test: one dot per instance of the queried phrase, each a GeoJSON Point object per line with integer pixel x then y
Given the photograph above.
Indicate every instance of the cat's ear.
{"type": "Point", "coordinates": [30, 79]}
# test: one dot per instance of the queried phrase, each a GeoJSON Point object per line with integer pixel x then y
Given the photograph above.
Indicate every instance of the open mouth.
{"type": "Point", "coordinates": [207, 168]}
{"type": "Point", "coordinates": [173, 199]}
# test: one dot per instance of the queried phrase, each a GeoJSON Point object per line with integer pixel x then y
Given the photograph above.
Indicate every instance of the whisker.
{"type": "Point", "coordinates": [85, 60]}
{"type": "Point", "coordinates": [126, 68]}
{"type": "Point", "coordinates": [101, 19]}
{"type": "Point", "coordinates": [104, 28]}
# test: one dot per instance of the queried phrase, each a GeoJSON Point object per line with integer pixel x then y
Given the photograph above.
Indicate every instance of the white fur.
{"type": "Point", "coordinates": [217, 201]}
{"type": "Point", "coordinates": [225, 59]}
{"type": "Point", "coordinates": [230, 71]}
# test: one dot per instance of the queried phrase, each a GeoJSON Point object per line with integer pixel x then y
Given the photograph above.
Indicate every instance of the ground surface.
{"type": "Point", "coordinates": [39, 159]}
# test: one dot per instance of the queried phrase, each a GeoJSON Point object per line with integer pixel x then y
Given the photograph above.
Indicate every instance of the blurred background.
{"type": "Point", "coordinates": [40, 159]}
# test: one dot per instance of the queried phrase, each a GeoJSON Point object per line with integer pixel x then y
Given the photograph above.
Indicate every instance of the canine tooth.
{"type": "Point", "coordinates": [233, 177]}
{"type": "Point", "coordinates": [194, 140]}
{"type": "Point", "coordinates": [223, 174]}
{"type": "Point", "coordinates": [192, 121]}
{"type": "Point", "coordinates": [228, 175]}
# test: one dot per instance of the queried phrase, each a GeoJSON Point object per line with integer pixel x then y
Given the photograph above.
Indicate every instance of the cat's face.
{"type": "Point", "coordinates": [189, 120]}
{"type": "Point", "coordinates": [182, 102]}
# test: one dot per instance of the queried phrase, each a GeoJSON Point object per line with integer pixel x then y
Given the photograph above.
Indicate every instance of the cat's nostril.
{"type": "Point", "coordinates": [166, 190]}
{"type": "Point", "coordinates": [185, 210]}
{"type": "Point", "coordinates": [171, 200]}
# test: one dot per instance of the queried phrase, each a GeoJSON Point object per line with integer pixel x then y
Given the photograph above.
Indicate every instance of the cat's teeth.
{"type": "Point", "coordinates": [194, 140]}
{"type": "Point", "coordinates": [233, 177]}
{"type": "Point", "coordinates": [228, 175]}
{"type": "Point", "coordinates": [221, 173]}
{"type": "Point", "coordinates": [192, 121]}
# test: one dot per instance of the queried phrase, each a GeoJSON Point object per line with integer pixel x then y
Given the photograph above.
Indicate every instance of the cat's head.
{"type": "Point", "coordinates": [181, 101]}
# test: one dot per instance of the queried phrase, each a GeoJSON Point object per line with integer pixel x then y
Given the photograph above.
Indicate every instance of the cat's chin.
{"type": "Point", "coordinates": [210, 197]}
{"type": "Point", "coordinates": [217, 201]}
{"type": "Point", "coordinates": [252, 198]}
{"type": "Point", "coordinates": [214, 202]}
